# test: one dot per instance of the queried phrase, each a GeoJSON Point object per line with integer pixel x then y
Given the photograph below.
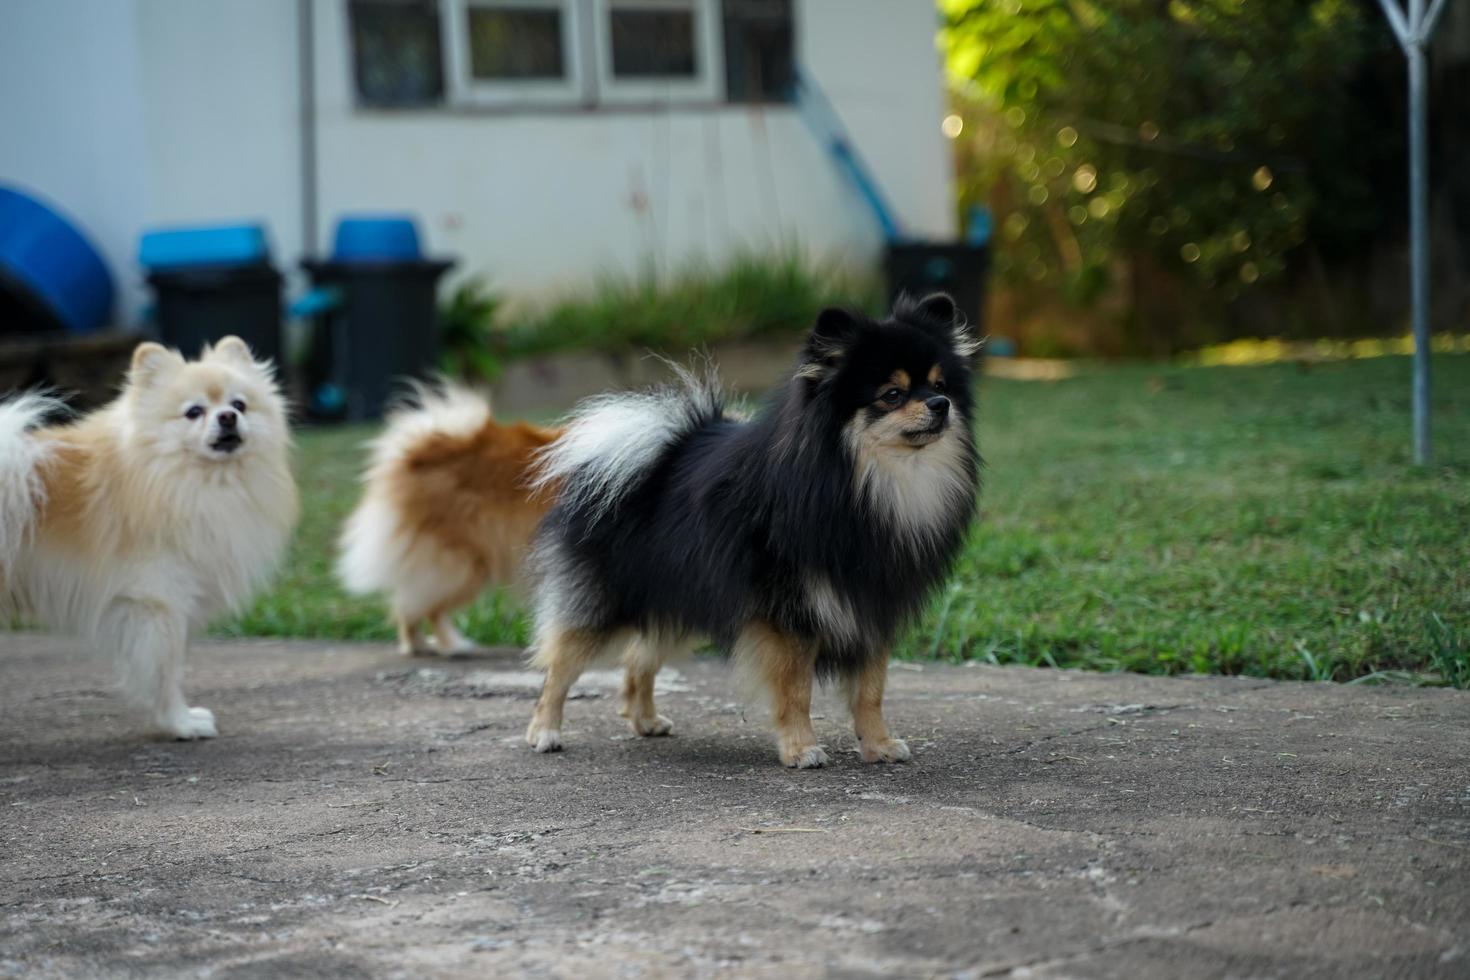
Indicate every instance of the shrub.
{"type": "Point", "coordinates": [753, 296]}
{"type": "Point", "coordinates": [1147, 154]}
{"type": "Point", "coordinates": [470, 348]}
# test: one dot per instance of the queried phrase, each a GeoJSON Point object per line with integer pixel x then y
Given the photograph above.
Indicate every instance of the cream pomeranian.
{"type": "Point", "coordinates": [134, 526]}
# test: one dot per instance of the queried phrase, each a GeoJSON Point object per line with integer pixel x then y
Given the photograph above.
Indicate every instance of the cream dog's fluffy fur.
{"type": "Point", "coordinates": [137, 524]}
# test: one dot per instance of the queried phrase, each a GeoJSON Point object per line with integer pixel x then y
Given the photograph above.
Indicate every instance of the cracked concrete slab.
{"type": "Point", "coordinates": [366, 815]}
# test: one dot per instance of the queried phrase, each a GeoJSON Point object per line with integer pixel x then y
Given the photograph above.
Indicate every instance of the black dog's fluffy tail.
{"type": "Point", "coordinates": [612, 441]}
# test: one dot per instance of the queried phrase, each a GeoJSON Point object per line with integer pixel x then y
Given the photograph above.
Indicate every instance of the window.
{"type": "Point", "coordinates": [397, 60]}
{"type": "Point", "coordinates": [652, 43]}
{"type": "Point", "coordinates": [511, 53]}
{"type": "Point", "coordinates": [657, 50]}
{"type": "Point", "coordinates": [515, 43]}
{"type": "Point", "coordinates": [760, 54]}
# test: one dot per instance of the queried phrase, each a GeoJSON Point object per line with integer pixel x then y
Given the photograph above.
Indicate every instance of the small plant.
{"type": "Point", "coordinates": [472, 349]}
{"type": "Point", "coordinates": [1315, 670]}
{"type": "Point", "coordinates": [1449, 653]}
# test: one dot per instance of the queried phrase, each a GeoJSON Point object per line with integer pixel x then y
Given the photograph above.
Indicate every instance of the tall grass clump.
{"type": "Point", "coordinates": [752, 296]}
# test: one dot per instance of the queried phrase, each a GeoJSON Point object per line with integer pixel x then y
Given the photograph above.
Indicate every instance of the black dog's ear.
{"type": "Point", "coordinates": [834, 327]}
{"type": "Point", "coordinates": [828, 342]}
{"type": "Point", "coordinates": [937, 313]}
{"type": "Point", "coordinates": [936, 307]}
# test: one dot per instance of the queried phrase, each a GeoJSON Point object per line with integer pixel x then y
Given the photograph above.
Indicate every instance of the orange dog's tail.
{"type": "Point", "coordinates": [447, 509]}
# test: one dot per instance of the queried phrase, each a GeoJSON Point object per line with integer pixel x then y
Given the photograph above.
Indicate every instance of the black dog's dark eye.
{"type": "Point", "coordinates": [193, 412]}
{"type": "Point", "coordinates": [939, 385]}
{"type": "Point", "coordinates": [892, 397]}
{"type": "Point", "coordinates": [238, 406]}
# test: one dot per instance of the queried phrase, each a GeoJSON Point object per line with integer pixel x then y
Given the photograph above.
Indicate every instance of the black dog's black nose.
{"type": "Point", "coordinates": [227, 419]}
{"type": "Point", "coordinates": [939, 405]}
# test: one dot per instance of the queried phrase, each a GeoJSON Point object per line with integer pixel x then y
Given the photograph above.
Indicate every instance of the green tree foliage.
{"type": "Point", "coordinates": [1198, 142]}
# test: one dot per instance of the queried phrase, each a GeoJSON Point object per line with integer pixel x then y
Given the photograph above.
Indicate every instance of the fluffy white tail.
{"type": "Point", "coordinates": [22, 457]}
{"type": "Point", "coordinates": [611, 441]}
{"type": "Point", "coordinates": [372, 545]}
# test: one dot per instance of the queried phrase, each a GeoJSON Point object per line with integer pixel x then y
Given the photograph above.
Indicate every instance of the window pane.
{"type": "Point", "coordinates": [396, 52]}
{"type": "Point", "coordinates": [758, 50]}
{"type": "Point", "coordinates": [652, 43]}
{"type": "Point", "coordinates": [511, 43]}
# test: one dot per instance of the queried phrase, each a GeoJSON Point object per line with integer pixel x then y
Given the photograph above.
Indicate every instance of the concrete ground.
{"type": "Point", "coordinates": [363, 815]}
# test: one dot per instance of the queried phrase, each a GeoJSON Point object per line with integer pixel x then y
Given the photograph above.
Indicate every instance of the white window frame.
{"type": "Point", "coordinates": [707, 86]}
{"type": "Point", "coordinates": [465, 89]}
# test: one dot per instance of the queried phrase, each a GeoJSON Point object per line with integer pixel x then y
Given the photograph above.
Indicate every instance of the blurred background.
{"type": "Point", "coordinates": [1144, 178]}
{"type": "Point", "coordinates": [1182, 223]}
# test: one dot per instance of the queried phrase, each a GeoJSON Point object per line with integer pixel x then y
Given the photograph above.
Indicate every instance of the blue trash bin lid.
{"type": "Point", "coordinates": [205, 245]}
{"type": "Point", "coordinates": [377, 238]}
{"type": "Point", "coordinates": [44, 254]}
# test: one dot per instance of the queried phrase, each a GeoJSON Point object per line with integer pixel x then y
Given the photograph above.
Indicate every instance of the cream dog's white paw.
{"type": "Point", "coordinates": [544, 739]}
{"type": "Point", "coordinates": [192, 723]}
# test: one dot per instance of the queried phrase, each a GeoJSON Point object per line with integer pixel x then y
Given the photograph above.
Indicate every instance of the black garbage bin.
{"type": "Point", "coordinates": [957, 268]}
{"type": "Point", "coordinates": [376, 320]}
{"type": "Point", "coordinates": [212, 282]}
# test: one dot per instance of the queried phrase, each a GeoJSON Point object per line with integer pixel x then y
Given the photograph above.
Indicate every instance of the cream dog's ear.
{"type": "Point", "coordinates": [230, 348]}
{"type": "Point", "coordinates": [152, 362]}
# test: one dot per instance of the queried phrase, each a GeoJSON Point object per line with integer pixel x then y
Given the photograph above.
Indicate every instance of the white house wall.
{"type": "Point", "coordinates": [878, 62]}
{"type": "Point", "coordinates": [128, 114]}
{"type": "Point", "coordinates": [135, 113]}
{"type": "Point", "coordinates": [542, 201]}
{"type": "Point", "coordinates": [71, 115]}
{"type": "Point", "coordinates": [222, 102]}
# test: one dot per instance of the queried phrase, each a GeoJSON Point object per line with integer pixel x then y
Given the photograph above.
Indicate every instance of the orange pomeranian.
{"type": "Point", "coordinates": [447, 511]}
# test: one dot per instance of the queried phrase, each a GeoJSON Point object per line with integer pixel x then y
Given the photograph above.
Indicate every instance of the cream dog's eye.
{"type": "Point", "coordinates": [238, 406]}
{"type": "Point", "coordinates": [892, 397]}
{"type": "Point", "coordinates": [193, 412]}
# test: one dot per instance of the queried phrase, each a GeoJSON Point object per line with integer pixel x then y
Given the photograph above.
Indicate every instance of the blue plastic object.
{"type": "Point", "coordinates": [1000, 347]}
{"type": "Point", "coordinates": [329, 401]}
{"type": "Point", "coordinates": [377, 238]}
{"type": "Point", "coordinates": [213, 245]}
{"type": "Point", "coordinates": [315, 302]}
{"type": "Point", "coordinates": [45, 255]}
{"type": "Point", "coordinates": [979, 226]}
{"type": "Point", "coordinates": [939, 268]}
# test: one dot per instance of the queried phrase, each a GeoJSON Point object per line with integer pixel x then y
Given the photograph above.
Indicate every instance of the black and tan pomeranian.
{"type": "Point", "coordinates": [799, 541]}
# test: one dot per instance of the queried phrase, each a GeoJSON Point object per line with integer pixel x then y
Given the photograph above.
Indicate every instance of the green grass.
{"type": "Point", "coordinates": [306, 600]}
{"type": "Point", "coordinates": [1258, 520]}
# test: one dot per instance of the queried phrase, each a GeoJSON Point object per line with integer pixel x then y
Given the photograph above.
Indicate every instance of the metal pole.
{"type": "Point", "coordinates": [306, 84]}
{"type": "Point", "coordinates": [1426, 31]}
{"type": "Point", "coordinates": [1419, 235]}
{"type": "Point", "coordinates": [1413, 32]}
{"type": "Point", "coordinates": [1396, 20]}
